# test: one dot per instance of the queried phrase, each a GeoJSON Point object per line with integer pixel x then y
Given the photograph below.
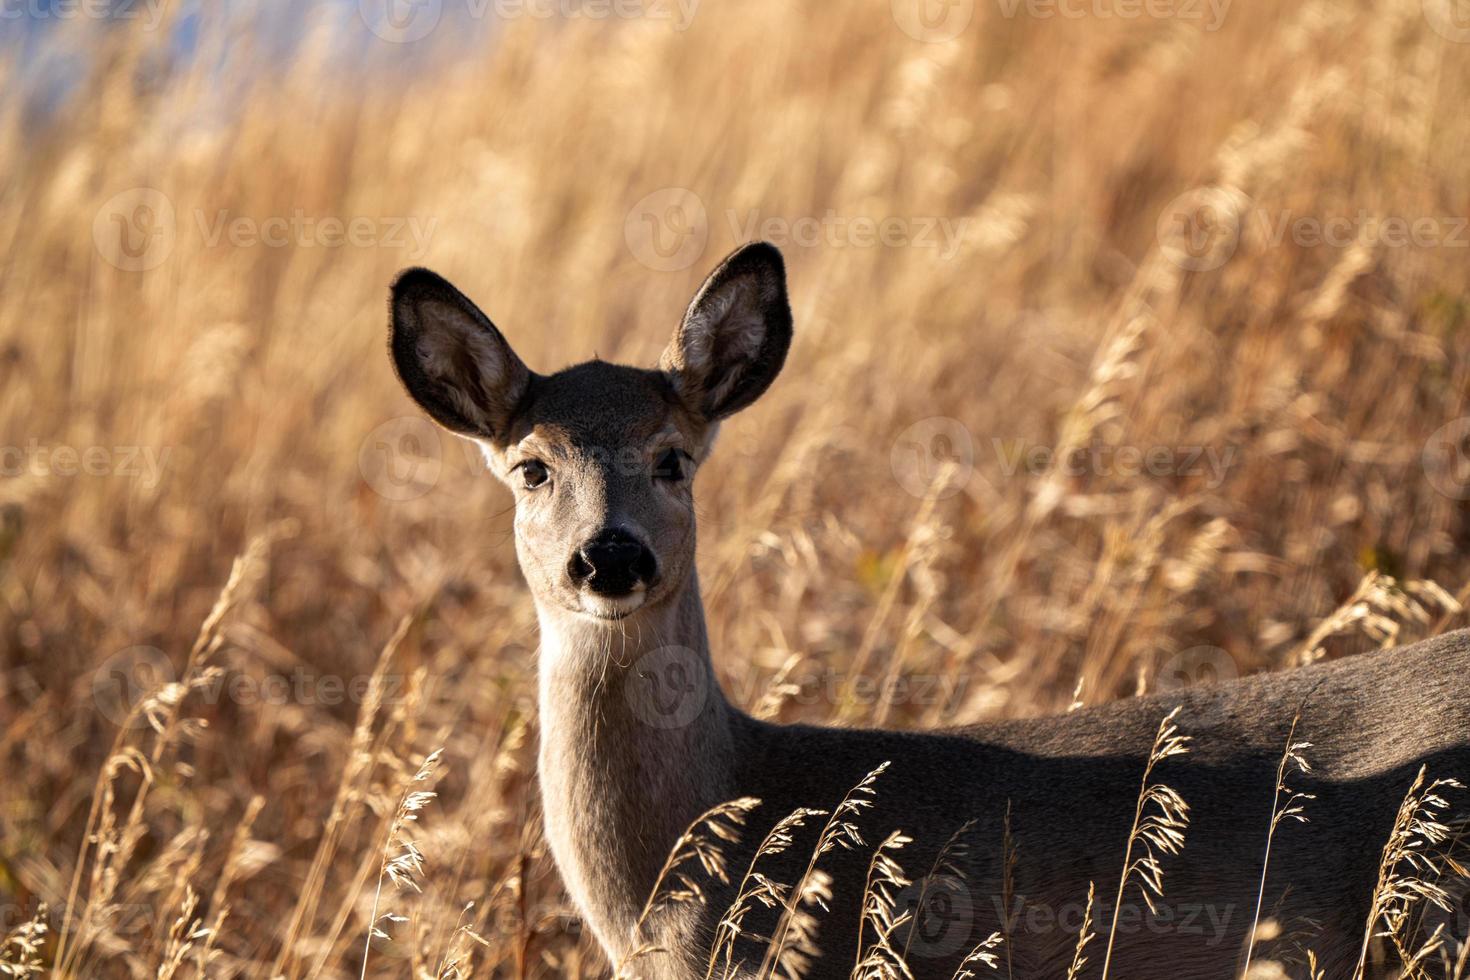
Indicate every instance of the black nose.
{"type": "Point", "coordinates": [612, 563]}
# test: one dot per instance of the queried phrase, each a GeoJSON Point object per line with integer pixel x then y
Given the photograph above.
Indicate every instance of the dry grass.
{"type": "Point", "coordinates": [235, 392]}
{"type": "Point", "coordinates": [1159, 822]}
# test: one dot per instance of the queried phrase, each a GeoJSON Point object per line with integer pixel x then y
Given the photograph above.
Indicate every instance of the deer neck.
{"type": "Point", "coordinates": [636, 743]}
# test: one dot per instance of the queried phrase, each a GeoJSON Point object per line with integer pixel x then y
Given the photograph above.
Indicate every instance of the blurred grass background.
{"type": "Point", "coordinates": [1116, 190]}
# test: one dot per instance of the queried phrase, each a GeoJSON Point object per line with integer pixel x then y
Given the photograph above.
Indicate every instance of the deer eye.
{"type": "Point", "coordinates": [534, 473]}
{"type": "Point", "coordinates": [669, 466]}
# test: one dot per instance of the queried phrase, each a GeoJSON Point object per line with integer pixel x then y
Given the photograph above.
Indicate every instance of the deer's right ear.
{"type": "Point", "coordinates": [451, 358]}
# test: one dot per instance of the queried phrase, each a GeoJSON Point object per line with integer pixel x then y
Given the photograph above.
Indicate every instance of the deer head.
{"type": "Point", "coordinates": [600, 456]}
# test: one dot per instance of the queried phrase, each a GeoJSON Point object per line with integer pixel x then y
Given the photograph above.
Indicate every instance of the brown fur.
{"type": "Point", "coordinates": [638, 739]}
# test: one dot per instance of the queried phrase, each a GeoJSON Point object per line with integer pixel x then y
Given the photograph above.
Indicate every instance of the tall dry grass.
{"type": "Point", "coordinates": [224, 828]}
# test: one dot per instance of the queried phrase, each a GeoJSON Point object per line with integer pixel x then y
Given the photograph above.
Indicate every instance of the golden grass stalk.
{"type": "Point", "coordinates": [884, 880]}
{"type": "Point", "coordinates": [917, 552]}
{"type": "Point", "coordinates": [1377, 607]}
{"type": "Point", "coordinates": [245, 857]}
{"type": "Point", "coordinates": [1408, 870]}
{"type": "Point", "coordinates": [778, 690]}
{"type": "Point", "coordinates": [1085, 935]}
{"type": "Point", "coordinates": [182, 935]}
{"type": "Point", "coordinates": [1286, 804]}
{"type": "Point", "coordinates": [982, 955]}
{"type": "Point", "coordinates": [756, 888]}
{"type": "Point", "coordinates": [1159, 821]}
{"type": "Point", "coordinates": [1009, 857]}
{"type": "Point", "coordinates": [405, 866]}
{"type": "Point", "coordinates": [798, 949]}
{"type": "Point", "coordinates": [791, 943]}
{"type": "Point", "coordinates": [455, 963]}
{"type": "Point", "coordinates": [161, 710]}
{"type": "Point", "coordinates": [21, 952]}
{"type": "Point", "coordinates": [703, 843]}
{"type": "Point", "coordinates": [361, 754]}
{"type": "Point", "coordinates": [949, 861]}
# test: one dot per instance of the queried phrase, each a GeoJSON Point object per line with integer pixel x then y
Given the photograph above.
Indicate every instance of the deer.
{"type": "Point", "coordinates": [638, 738]}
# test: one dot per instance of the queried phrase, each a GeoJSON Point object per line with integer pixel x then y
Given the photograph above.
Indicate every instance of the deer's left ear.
{"type": "Point", "coordinates": [452, 359]}
{"type": "Point", "coordinates": [735, 336]}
